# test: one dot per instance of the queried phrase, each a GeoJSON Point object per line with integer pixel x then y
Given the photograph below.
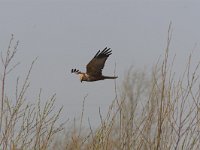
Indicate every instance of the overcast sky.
{"type": "Point", "coordinates": [67, 34]}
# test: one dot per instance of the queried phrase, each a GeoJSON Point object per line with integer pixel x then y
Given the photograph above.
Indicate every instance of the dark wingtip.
{"type": "Point", "coordinates": [97, 53]}
{"type": "Point", "coordinates": [107, 51]}
{"type": "Point", "coordinates": [75, 71]}
{"type": "Point", "coordinates": [104, 53]}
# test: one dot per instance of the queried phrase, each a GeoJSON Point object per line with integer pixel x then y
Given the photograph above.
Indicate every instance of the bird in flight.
{"type": "Point", "coordinates": [94, 67]}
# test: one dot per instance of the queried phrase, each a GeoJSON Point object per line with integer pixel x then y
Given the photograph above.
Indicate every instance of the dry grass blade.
{"type": "Point", "coordinates": [24, 125]}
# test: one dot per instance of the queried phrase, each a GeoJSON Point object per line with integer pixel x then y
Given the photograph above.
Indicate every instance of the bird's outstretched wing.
{"type": "Point", "coordinates": [95, 66]}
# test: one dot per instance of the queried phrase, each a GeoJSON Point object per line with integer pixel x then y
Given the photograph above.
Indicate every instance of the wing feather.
{"type": "Point", "coordinates": [76, 71]}
{"type": "Point", "coordinates": [95, 66]}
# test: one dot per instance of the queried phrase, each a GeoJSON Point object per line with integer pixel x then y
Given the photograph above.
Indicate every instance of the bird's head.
{"type": "Point", "coordinates": [81, 76]}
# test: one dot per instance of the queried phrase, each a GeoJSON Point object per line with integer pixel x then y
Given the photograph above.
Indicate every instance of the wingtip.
{"type": "Point", "coordinates": [97, 53]}
{"type": "Point", "coordinates": [106, 51]}
{"type": "Point", "coordinates": [74, 70]}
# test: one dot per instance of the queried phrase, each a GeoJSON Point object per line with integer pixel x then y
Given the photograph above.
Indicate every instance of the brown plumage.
{"type": "Point", "coordinates": [94, 67]}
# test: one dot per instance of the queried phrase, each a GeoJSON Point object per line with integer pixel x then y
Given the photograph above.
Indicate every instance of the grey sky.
{"type": "Point", "coordinates": [67, 34]}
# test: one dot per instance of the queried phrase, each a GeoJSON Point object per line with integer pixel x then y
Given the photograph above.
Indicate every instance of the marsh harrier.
{"type": "Point", "coordinates": [94, 67]}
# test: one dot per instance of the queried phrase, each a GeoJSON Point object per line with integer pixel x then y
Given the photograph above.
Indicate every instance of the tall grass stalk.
{"type": "Point", "coordinates": [24, 125]}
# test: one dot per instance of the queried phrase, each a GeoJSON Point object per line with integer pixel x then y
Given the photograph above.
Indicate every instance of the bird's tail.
{"type": "Point", "coordinates": [108, 77]}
